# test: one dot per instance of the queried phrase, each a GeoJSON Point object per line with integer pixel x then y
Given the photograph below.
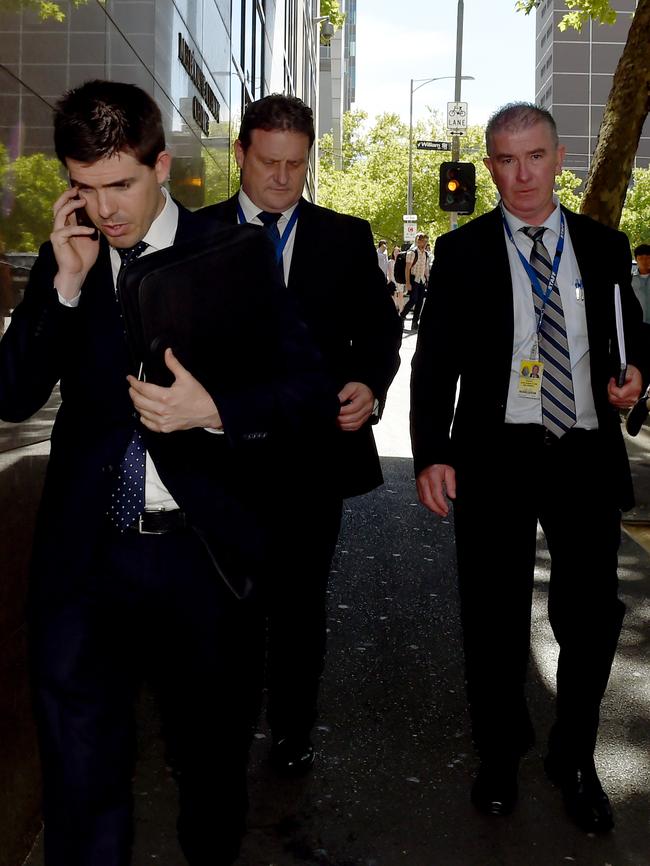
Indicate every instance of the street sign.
{"type": "Point", "coordinates": [433, 145]}
{"type": "Point", "coordinates": [457, 117]}
{"type": "Point", "coordinates": [410, 231]}
{"type": "Point", "coordinates": [410, 217]}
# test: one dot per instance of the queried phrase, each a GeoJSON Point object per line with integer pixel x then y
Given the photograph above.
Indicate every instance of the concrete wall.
{"type": "Point", "coordinates": [21, 477]}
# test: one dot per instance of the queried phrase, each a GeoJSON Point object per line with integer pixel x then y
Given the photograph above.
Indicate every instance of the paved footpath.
{"type": "Point", "coordinates": [392, 781]}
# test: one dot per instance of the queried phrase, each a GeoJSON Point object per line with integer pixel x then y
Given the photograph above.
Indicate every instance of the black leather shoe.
{"type": "Point", "coordinates": [494, 791]}
{"type": "Point", "coordinates": [293, 756]}
{"type": "Point", "coordinates": [585, 801]}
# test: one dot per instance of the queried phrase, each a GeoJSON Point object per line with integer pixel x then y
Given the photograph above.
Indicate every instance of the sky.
{"type": "Point", "coordinates": [419, 41]}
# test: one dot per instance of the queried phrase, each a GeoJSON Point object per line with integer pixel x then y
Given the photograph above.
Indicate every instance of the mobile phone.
{"type": "Point", "coordinates": [84, 220]}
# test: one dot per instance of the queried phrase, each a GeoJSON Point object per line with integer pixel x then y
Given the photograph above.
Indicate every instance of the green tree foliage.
{"type": "Point", "coordinates": [332, 9]}
{"type": "Point", "coordinates": [635, 221]}
{"type": "Point", "coordinates": [581, 10]}
{"type": "Point", "coordinates": [372, 183]}
{"type": "Point", "coordinates": [45, 9]}
{"type": "Point", "coordinates": [30, 185]}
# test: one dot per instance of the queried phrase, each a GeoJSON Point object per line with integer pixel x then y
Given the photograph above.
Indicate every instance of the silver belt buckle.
{"type": "Point", "coordinates": [143, 531]}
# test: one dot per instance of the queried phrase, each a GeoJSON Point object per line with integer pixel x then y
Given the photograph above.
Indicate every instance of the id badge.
{"type": "Point", "coordinates": [530, 378]}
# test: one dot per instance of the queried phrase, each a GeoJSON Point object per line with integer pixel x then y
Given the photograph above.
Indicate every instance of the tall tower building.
{"type": "Point", "coordinates": [573, 77]}
{"type": "Point", "coordinates": [338, 77]}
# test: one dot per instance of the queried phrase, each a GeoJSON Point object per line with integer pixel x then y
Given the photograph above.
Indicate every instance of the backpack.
{"type": "Point", "coordinates": [400, 266]}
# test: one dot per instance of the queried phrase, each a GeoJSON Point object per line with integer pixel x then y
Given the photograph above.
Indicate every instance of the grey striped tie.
{"type": "Point", "coordinates": [558, 404]}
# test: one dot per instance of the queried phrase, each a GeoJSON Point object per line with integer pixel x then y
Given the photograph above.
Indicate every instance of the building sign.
{"type": "Point", "coordinates": [193, 69]}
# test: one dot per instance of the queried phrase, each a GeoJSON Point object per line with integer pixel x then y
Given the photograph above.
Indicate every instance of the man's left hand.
{"type": "Point", "coordinates": [357, 403]}
{"type": "Point", "coordinates": [626, 397]}
{"type": "Point", "coordinates": [182, 406]}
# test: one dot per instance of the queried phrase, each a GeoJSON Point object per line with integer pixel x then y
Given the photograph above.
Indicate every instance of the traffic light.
{"type": "Point", "coordinates": [458, 187]}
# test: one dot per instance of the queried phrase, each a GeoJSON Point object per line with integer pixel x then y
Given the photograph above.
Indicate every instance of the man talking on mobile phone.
{"type": "Point", "coordinates": [124, 576]}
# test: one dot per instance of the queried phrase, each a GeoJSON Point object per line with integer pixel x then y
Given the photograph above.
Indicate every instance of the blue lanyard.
{"type": "Point", "coordinates": [281, 242]}
{"type": "Point", "coordinates": [537, 288]}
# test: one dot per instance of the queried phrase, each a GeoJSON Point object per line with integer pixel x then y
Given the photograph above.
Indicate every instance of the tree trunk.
{"type": "Point", "coordinates": [620, 131]}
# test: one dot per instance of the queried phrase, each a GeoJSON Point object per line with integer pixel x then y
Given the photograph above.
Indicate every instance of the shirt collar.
{"type": "Point", "coordinates": [251, 210]}
{"type": "Point", "coordinates": [162, 230]}
{"type": "Point", "coordinates": [552, 221]}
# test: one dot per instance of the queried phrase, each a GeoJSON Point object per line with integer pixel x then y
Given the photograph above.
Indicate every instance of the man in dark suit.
{"type": "Point", "coordinates": [360, 345]}
{"type": "Point", "coordinates": [155, 504]}
{"type": "Point", "coordinates": [522, 450]}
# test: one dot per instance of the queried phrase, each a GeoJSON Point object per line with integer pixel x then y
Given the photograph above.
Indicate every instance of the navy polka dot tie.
{"type": "Point", "coordinates": [127, 500]}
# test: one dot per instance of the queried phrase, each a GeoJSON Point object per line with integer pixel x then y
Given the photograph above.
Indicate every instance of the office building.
{"type": "Point", "coordinates": [573, 77]}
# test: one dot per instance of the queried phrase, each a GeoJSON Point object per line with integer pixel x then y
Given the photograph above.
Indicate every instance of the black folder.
{"type": "Point", "coordinates": [193, 298]}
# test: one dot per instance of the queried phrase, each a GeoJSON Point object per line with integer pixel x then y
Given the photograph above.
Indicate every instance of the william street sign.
{"type": "Point", "coordinates": [433, 145]}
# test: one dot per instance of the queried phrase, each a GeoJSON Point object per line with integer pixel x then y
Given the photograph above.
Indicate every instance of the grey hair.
{"type": "Point", "coordinates": [516, 116]}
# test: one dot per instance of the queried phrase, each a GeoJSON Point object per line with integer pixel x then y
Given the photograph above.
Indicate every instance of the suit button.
{"type": "Point", "coordinates": [108, 469]}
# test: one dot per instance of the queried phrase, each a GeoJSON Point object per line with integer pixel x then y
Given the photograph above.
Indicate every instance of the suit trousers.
{"type": "Point", "coordinates": [297, 614]}
{"type": "Point", "coordinates": [152, 607]}
{"type": "Point", "coordinates": [530, 476]}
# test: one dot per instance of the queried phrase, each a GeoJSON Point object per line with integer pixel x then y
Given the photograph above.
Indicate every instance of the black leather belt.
{"type": "Point", "coordinates": [160, 522]}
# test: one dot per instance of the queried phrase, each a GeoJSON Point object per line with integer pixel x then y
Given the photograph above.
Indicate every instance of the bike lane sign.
{"type": "Point", "coordinates": [457, 116]}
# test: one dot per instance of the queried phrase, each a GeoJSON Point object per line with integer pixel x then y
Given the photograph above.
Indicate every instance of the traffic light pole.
{"type": "Point", "coordinates": [455, 139]}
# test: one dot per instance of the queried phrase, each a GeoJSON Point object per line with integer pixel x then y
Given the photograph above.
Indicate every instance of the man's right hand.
{"type": "Point", "coordinates": [73, 247]}
{"type": "Point", "coordinates": [435, 484]}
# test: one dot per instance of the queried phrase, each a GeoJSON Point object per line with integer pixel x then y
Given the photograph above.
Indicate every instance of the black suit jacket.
{"type": "Point", "coordinates": [225, 483]}
{"type": "Point", "coordinates": [469, 321]}
{"type": "Point", "coordinates": [341, 295]}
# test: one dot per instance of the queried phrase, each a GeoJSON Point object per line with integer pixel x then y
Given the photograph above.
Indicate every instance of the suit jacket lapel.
{"type": "Point", "coordinates": [495, 296]}
{"type": "Point", "coordinates": [301, 246]}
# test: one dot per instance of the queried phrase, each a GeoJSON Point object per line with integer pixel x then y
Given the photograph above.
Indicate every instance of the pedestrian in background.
{"type": "Point", "coordinates": [641, 280]}
{"type": "Point", "coordinates": [398, 288]}
{"type": "Point", "coordinates": [546, 299]}
{"type": "Point", "coordinates": [417, 279]}
{"type": "Point", "coordinates": [382, 258]}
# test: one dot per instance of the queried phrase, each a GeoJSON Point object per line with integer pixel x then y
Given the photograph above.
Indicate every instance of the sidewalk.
{"type": "Point", "coordinates": [391, 785]}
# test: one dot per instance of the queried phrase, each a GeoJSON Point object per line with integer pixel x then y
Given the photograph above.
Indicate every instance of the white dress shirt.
{"type": "Point", "coordinates": [161, 235]}
{"type": "Point", "coordinates": [251, 211]}
{"type": "Point", "coordinates": [524, 410]}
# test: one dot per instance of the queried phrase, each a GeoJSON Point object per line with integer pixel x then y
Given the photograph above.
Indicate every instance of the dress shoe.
{"type": "Point", "coordinates": [585, 801]}
{"type": "Point", "coordinates": [293, 756]}
{"type": "Point", "coordinates": [494, 791]}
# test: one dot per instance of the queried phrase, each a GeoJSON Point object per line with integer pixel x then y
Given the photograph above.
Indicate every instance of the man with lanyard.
{"type": "Point", "coordinates": [360, 346]}
{"type": "Point", "coordinates": [417, 278]}
{"type": "Point", "coordinates": [524, 448]}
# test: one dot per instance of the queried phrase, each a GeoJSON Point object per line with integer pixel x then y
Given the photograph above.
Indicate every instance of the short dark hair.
{"type": "Point", "coordinates": [277, 111]}
{"type": "Point", "coordinates": [102, 118]}
{"type": "Point", "coordinates": [642, 250]}
{"type": "Point", "coordinates": [516, 116]}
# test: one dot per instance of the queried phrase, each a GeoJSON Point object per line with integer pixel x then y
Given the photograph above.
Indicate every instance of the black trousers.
{"type": "Point", "coordinates": [153, 607]}
{"type": "Point", "coordinates": [563, 484]}
{"type": "Point", "coordinates": [297, 614]}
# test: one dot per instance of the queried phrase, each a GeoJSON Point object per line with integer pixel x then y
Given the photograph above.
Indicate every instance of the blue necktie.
{"type": "Point", "coordinates": [127, 500]}
{"type": "Point", "coordinates": [270, 222]}
{"type": "Point", "coordinates": [558, 404]}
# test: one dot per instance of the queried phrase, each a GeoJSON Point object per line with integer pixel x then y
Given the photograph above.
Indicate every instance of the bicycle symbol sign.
{"type": "Point", "coordinates": [456, 116]}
